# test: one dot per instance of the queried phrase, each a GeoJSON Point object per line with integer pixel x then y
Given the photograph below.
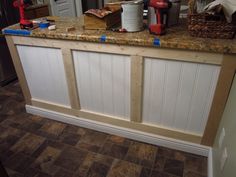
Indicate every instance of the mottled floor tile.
{"type": "Point", "coordinates": [69, 138]}
{"type": "Point", "coordinates": [36, 118]}
{"type": "Point", "coordinates": [5, 146]}
{"type": "Point", "coordinates": [114, 150]}
{"type": "Point", "coordinates": [204, 165]}
{"type": "Point", "coordinates": [33, 146]}
{"type": "Point", "coordinates": [142, 153]}
{"type": "Point", "coordinates": [31, 172]}
{"type": "Point", "coordinates": [166, 152]}
{"type": "Point", "coordinates": [5, 153]}
{"type": "Point", "coordinates": [193, 174]}
{"type": "Point", "coordinates": [16, 121]}
{"type": "Point", "coordinates": [18, 162]}
{"type": "Point", "coordinates": [159, 163]}
{"type": "Point", "coordinates": [42, 174]}
{"type": "Point", "coordinates": [71, 158]}
{"type": "Point", "coordinates": [145, 172]}
{"type": "Point", "coordinates": [71, 129]}
{"type": "Point", "coordinates": [12, 173]}
{"type": "Point", "coordinates": [8, 131]}
{"type": "Point", "coordinates": [119, 140]}
{"type": "Point", "coordinates": [28, 144]}
{"type": "Point", "coordinates": [156, 173]}
{"type": "Point", "coordinates": [87, 164]}
{"type": "Point", "coordinates": [98, 170]}
{"type": "Point", "coordinates": [54, 128]}
{"type": "Point", "coordinates": [196, 164]}
{"type": "Point", "coordinates": [82, 131]}
{"type": "Point", "coordinates": [123, 169]}
{"type": "Point", "coordinates": [46, 159]}
{"type": "Point", "coordinates": [30, 126]}
{"type": "Point", "coordinates": [10, 107]}
{"type": "Point", "coordinates": [88, 147]}
{"type": "Point", "coordinates": [179, 155]}
{"type": "Point", "coordinates": [103, 159]}
{"type": "Point", "coordinates": [63, 173]}
{"type": "Point", "coordinates": [55, 144]}
{"type": "Point", "coordinates": [174, 167]}
{"type": "Point", "coordinates": [8, 142]}
{"type": "Point", "coordinates": [94, 138]}
{"type": "Point", "coordinates": [91, 140]}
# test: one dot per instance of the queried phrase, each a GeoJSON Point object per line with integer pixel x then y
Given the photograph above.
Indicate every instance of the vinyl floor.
{"type": "Point", "coordinates": [33, 146]}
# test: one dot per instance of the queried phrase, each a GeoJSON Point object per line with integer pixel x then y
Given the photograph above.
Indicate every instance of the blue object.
{"type": "Point", "coordinates": [17, 32]}
{"type": "Point", "coordinates": [44, 25]}
{"type": "Point", "coordinates": [103, 38]}
{"type": "Point", "coordinates": [157, 42]}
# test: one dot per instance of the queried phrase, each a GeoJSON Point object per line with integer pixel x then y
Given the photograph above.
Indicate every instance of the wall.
{"type": "Point", "coordinates": [107, 1]}
{"type": "Point", "coordinates": [78, 7]}
{"type": "Point", "coordinates": [229, 123]}
{"type": "Point", "coordinates": [49, 6]}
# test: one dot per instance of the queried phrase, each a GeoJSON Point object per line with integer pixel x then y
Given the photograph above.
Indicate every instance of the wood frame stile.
{"type": "Point", "coordinates": [227, 63]}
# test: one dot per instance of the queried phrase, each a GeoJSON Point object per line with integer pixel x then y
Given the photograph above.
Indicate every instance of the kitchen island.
{"type": "Point", "coordinates": [164, 90]}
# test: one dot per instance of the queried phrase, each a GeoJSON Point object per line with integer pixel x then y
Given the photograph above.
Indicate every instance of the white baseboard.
{"type": "Point", "coordinates": [210, 163]}
{"type": "Point", "coordinates": [125, 132]}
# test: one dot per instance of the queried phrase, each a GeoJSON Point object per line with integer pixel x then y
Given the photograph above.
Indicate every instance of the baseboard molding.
{"type": "Point", "coordinates": [210, 163]}
{"type": "Point", "coordinates": [125, 132]}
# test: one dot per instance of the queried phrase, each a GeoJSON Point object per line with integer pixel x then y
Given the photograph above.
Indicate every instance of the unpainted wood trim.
{"type": "Point", "coordinates": [70, 78]}
{"type": "Point", "coordinates": [153, 52]}
{"type": "Point", "coordinates": [19, 69]}
{"type": "Point", "coordinates": [112, 120]}
{"type": "Point", "coordinates": [223, 87]}
{"type": "Point", "coordinates": [53, 107]}
{"type": "Point", "coordinates": [136, 88]}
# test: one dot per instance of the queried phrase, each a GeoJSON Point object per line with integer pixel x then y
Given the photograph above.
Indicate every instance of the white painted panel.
{"type": "Point", "coordinates": [103, 82]}
{"type": "Point", "coordinates": [45, 75]}
{"type": "Point", "coordinates": [178, 95]}
{"type": "Point", "coordinates": [107, 83]}
{"type": "Point", "coordinates": [95, 78]}
{"type": "Point", "coordinates": [188, 76]}
{"type": "Point", "coordinates": [155, 79]}
{"type": "Point", "coordinates": [170, 92]}
{"type": "Point", "coordinates": [202, 94]}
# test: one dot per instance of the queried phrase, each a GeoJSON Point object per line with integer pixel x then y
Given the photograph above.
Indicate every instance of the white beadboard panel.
{"type": "Point", "coordinates": [45, 74]}
{"type": "Point", "coordinates": [178, 95]}
{"type": "Point", "coordinates": [103, 82]}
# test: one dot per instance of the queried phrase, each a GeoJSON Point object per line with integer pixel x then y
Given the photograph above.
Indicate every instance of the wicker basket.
{"type": "Point", "coordinates": [209, 26]}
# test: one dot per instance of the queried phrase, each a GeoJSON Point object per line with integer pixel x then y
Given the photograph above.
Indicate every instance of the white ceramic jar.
{"type": "Point", "coordinates": [132, 15]}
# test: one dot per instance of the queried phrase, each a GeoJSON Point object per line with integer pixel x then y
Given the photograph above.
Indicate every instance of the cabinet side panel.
{"type": "Point", "coordinates": [45, 74]}
{"type": "Point", "coordinates": [178, 95]}
{"type": "Point", "coordinates": [103, 82]}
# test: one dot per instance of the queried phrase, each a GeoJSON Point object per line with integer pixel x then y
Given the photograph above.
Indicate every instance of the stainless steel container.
{"type": "Point", "coordinates": [173, 13]}
{"type": "Point", "coordinates": [132, 15]}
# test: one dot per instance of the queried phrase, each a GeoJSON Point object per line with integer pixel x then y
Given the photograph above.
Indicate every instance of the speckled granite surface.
{"type": "Point", "coordinates": [176, 37]}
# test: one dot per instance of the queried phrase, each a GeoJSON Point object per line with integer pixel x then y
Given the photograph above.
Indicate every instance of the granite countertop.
{"type": "Point", "coordinates": [176, 38]}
